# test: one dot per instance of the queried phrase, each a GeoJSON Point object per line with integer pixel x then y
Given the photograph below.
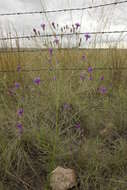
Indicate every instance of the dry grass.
{"type": "Point", "coordinates": [52, 110]}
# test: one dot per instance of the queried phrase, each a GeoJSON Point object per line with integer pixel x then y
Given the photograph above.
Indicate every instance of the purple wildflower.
{"type": "Point", "coordinates": [50, 51]}
{"type": "Point", "coordinates": [20, 112]}
{"type": "Point", "coordinates": [90, 78]}
{"type": "Point", "coordinates": [102, 78]}
{"type": "Point", "coordinates": [90, 69]}
{"type": "Point", "coordinates": [77, 25]}
{"type": "Point", "coordinates": [43, 26]}
{"type": "Point", "coordinates": [83, 57]}
{"type": "Point", "coordinates": [37, 80]}
{"type": "Point", "coordinates": [87, 36]}
{"type": "Point", "coordinates": [17, 85]}
{"type": "Point", "coordinates": [56, 41]}
{"type": "Point", "coordinates": [78, 126]}
{"type": "Point", "coordinates": [20, 127]}
{"type": "Point", "coordinates": [18, 68]}
{"type": "Point", "coordinates": [102, 90]}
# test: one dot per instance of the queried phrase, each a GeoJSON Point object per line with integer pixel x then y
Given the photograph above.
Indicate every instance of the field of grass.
{"type": "Point", "coordinates": [72, 113]}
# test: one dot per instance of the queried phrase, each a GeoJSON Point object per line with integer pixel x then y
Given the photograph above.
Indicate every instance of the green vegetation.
{"type": "Point", "coordinates": [70, 117]}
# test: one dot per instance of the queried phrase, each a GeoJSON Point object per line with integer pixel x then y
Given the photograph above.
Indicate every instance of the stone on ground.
{"type": "Point", "coordinates": [62, 179]}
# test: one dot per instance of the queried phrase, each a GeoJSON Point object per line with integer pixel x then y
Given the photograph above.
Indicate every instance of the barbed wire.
{"type": "Point", "coordinates": [60, 69]}
{"type": "Point", "coordinates": [62, 10]}
{"type": "Point", "coordinates": [60, 34]}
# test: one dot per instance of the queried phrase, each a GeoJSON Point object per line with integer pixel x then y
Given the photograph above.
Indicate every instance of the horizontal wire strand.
{"type": "Point", "coordinates": [62, 10]}
{"type": "Point", "coordinates": [61, 34]}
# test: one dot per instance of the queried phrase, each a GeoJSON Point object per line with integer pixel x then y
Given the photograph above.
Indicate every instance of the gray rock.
{"type": "Point", "coordinates": [62, 179]}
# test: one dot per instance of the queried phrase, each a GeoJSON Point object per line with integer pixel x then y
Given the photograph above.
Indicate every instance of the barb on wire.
{"type": "Point", "coordinates": [60, 34]}
{"type": "Point", "coordinates": [62, 10]}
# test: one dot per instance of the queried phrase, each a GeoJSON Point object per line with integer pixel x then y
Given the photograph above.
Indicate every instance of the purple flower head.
{"type": "Point", "coordinates": [77, 25]}
{"type": "Point", "coordinates": [18, 68]}
{"type": "Point", "coordinates": [37, 80]}
{"type": "Point", "coordinates": [56, 41]}
{"type": "Point", "coordinates": [87, 36]}
{"type": "Point", "coordinates": [50, 51]}
{"type": "Point", "coordinates": [83, 57]}
{"type": "Point", "coordinates": [20, 112]}
{"type": "Point", "coordinates": [90, 78]}
{"type": "Point", "coordinates": [17, 85]}
{"type": "Point", "coordinates": [102, 78]}
{"type": "Point", "coordinates": [20, 127]}
{"type": "Point", "coordinates": [43, 26]}
{"type": "Point", "coordinates": [102, 90]}
{"type": "Point", "coordinates": [35, 31]}
{"type": "Point", "coordinates": [78, 126]}
{"type": "Point", "coordinates": [90, 69]}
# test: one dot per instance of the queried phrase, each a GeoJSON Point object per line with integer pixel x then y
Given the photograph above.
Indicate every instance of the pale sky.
{"type": "Point", "coordinates": [108, 18]}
